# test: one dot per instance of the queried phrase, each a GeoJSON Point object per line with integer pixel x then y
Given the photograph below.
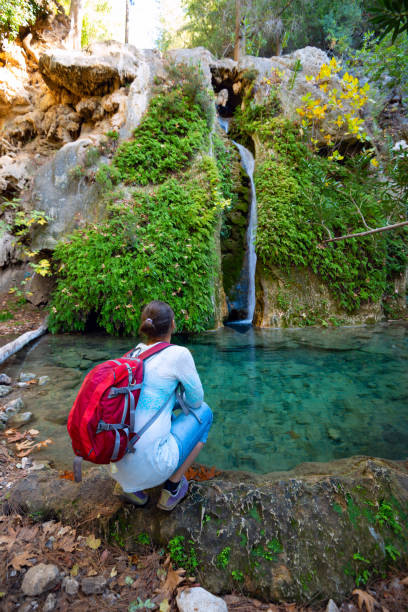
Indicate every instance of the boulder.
{"type": "Point", "coordinates": [97, 70]}
{"type": "Point", "coordinates": [290, 534]}
{"type": "Point", "coordinates": [197, 598]}
{"type": "Point", "coordinates": [4, 379]}
{"type": "Point", "coordinates": [70, 586]}
{"type": "Point", "coordinates": [16, 420]}
{"type": "Point", "coordinates": [5, 390]}
{"type": "Point", "coordinates": [14, 406]}
{"type": "Point", "coordinates": [39, 579]}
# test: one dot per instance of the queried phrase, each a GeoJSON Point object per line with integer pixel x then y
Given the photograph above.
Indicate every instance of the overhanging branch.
{"type": "Point", "coordinates": [386, 228]}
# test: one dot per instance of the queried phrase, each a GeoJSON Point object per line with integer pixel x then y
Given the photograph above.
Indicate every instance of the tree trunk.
{"type": "Point", "coordinates": [76, 15]}
{"type": "Point", "coordinates": [239, 45]}
{"type": "Point", "coordinates": [13, 347]}
{"type": "Point", "coordinates": [127, 22]}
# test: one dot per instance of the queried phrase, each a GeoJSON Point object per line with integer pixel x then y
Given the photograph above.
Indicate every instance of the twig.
{"type": "Point", "coordinates": [14, 346]}
{"type": "Point", "coordinates": [386, 228]}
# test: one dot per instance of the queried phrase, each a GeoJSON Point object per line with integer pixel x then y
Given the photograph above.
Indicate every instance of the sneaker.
{"type": "Point", "coordinates": [138, 498]}
{"type": "Point", "coordinates": [168, 501]}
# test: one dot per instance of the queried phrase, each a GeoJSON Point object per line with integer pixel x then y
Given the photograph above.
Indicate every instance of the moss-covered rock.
{"type": "Point", "coordinates": [312, 533]}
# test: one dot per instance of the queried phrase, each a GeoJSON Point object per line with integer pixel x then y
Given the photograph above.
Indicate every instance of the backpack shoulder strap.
{"type": "Point", "coordinates": [157, 348]}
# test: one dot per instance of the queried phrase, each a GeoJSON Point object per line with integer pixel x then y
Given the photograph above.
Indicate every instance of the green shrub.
{"type": "Point", "coordinates": [19, 13]}
{"type": "Point", "coordinates": [158, 246]}
{"type": "Point", "coordinates": [303, 198]}
{"type": "Point", "coordinates": [165, 141]}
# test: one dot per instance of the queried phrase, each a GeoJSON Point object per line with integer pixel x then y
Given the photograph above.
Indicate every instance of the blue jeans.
{"type": "Point", "coordinates": [188, 431]}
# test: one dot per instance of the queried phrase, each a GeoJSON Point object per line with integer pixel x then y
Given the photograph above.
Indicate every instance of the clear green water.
{"type": "Point", "coordinates": [280, 397]}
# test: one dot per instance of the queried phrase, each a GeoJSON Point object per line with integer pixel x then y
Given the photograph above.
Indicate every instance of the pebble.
{"type": "Point", "coordinates": [198, 598]}
{"type": "Point", "coordinates": [43, 380]}
{"type": "Point", "coordinates": [20, 419]}
{"type": "Point", "coordinates": [70, 586]}
{"type": "Point", "coordinates": [22, 385]}
{"type": "Point", "coordinates": [331, 606]}
{"type": "Point", "coordinates": [50, 603]}
{"type": "Point", "coordinates": [27, 606]}
{"type": "Point", "coordinates": [26, 462]}
{"type": "Point", "coordinates": [93, 585]}
{"type": "Point", "coordinates": [25, 376]}
{"type": "Point", "coordinates": [5, 390]}
{"type": "Point", "coordinates": [14, 406]}
{"type": "Point", "coordinates": [5, 380]}
{"type": "Point", "coordinates": [39, 579]}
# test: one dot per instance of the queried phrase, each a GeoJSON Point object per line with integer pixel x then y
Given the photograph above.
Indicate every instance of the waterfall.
{"type": "Point", "coordinates": [248, 164]}
{"type": "Point", "coordinates": [249, 267]}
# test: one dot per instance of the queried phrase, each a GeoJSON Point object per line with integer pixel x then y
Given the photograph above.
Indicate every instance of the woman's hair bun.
{"type": "Point", "coordinates": [157, 318]}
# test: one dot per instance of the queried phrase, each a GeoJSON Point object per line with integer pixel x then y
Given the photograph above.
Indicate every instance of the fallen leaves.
{"type": "Point", "coordinates": [24, 442]}
{"type": "Point", "coordinates": [67, 475]}
{"type": "Point", "coordinates": [173, 580]}
{"type": "Point", "coordinates": [21, 560]}
{"type": "Point", "coordinates": [365, 599]}
{"type": "Point", "coordinates": [201, 473]}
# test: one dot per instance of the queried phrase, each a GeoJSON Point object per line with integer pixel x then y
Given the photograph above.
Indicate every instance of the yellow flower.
{"type": "Point", "coordinates": [309, 78]}
{"type": "Point", "coordinates": [374, 162]}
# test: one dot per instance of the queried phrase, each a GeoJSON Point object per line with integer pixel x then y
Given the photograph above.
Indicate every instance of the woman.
{"type": "Point", "coordinates": [168, 448]}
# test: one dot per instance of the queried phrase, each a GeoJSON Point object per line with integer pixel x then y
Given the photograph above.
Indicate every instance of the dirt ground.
{"type": "Point", "coordinates": [17, 316]}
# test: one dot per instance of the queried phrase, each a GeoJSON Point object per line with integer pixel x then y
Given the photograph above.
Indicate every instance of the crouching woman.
{"type": "Point", "coordinates": [167, 449]}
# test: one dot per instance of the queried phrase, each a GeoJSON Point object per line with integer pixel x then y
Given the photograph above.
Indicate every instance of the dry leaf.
{"type": "Point", "coordinates": [164, 606]}
{"type": "Point", "coordinates": [67, 544]}
{"type": "Point", "coordinates": [405, 581]}
{"type": "Point", "coordinates": [365, 599]}
{"type": "Point", "coordinates": [93, 542]}
{"type": "Point", "coordinates": [92, 572]}
{"type": "Point", "coordinates": [174, 578]}
{"type": "Point", "coordinates": [74, 570]}
{"type": "Point", "coordinates": [114, 572]}
{"type": "Point", "coordinates": [21, 560]}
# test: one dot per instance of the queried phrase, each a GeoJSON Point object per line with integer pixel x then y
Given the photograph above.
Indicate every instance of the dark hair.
{"type": "Point", "coordinates": [156, 319]}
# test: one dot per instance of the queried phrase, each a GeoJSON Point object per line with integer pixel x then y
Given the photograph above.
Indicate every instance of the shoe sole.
{"type": "Point", "coordinates": [130, 501]}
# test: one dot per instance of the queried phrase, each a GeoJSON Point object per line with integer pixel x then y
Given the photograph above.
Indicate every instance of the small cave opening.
{"type": "Point", "coordinates": [229, 87]}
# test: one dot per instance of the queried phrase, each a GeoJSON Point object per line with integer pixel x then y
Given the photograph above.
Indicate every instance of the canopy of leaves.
{"type": "Point", "coordinates": [390, 16]}
{"type": "Point", "coordinates": [270, 26]}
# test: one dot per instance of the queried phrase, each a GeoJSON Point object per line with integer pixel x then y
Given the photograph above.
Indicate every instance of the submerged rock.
{"type": "Point", "coordinates": [290, 535]}
{"type": "Point", "coordinates": [14, 406]}
{"type": "Point", "coordinates": [20, 419]}
{"type": "Point", "coordinates": [5, 390]}
{"type": "Point", "coordinates": [26, 376]}
{"type": "Point", "coordinates": [5, 380]}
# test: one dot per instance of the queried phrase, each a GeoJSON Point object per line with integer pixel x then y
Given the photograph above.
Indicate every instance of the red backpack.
{"type": "Point", "coordinates": [101, 423]}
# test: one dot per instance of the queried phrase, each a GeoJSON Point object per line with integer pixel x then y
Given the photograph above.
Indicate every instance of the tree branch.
{"type": "Point", "coordinates": [386, 228]}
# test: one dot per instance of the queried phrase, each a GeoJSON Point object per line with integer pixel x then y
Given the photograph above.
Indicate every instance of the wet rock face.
{"type": "Point", "coordinates": [98, 70]}
{"type": "Point", "coordinates": [297, 297]}
{"type": "Point", "coordinates": [295, 535]}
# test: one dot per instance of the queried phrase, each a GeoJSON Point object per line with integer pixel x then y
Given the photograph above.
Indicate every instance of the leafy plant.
{"type": "Point", "coordinates": [237, 575]}
{"type": "Point", "coordinates": [182, 555]}
{"type": "Point", "coordinates": [223, 558]}
{"type": "Point", "coordinates": [143, 538]}
{"type": "Point", "coordinates": [386, 516]}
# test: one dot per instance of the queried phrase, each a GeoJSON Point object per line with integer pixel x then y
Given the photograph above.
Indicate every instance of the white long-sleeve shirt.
{"type": "Point", "coordinates": [156, 454]}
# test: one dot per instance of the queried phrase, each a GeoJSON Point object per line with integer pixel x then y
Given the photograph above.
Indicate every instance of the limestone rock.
{"type": "Point", "coordinates": [15, 175]}
{"type": "Point", "coordinates": [61, 124]}
{"type": "Point", "coordinates": [70, 586]}
{"type": "Point", "coordinates": [4, 379]}
{"type": "Point", "coordinates": [43, 380]}
{"type": "Point", "coordinates": [93, 585]}
{"type": "Point", "coordinates": [14, 406]}
{"type": "Point", "coordinates": [39, 579]}
{"type": "Point", "coordinates": [293, 524]}
{"type": "Point", "coordinates": [303, 295]}
{"type": "Point", "coordinates": [5, 390]}
{"type": "Point", "coordinates": [97, 70]}
{"type": "Point", "coordinates": [198, 599]}
{"type": "Point", "coordinates": [67, 200]}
